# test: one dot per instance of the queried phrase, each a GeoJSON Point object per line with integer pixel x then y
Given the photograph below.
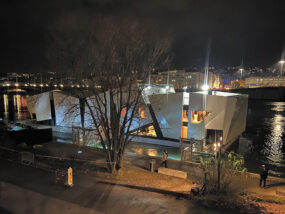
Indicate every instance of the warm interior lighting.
{"type": "Point", "coordinates": [146, 131]}
{"type": "Point", "coordinates": [123, 112]}
{"type": "Point", "coordinates": [185, 115]}
{"type": "Point", "coordinates": [184, 132]}
{"type": "Point", "coordinates": [198, 116]}
{"type": "Point", "coordinates": [142, 113]}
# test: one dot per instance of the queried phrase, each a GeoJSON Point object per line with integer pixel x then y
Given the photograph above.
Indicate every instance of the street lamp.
{"type": "Point", "coordinates": [241, 70]}
{"type": "Point", "coordinates": [281, 66]}
{"type": "Point", "coordinates": [205, 87]}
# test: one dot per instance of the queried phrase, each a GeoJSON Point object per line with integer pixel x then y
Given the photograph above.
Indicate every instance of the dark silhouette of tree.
{"type": "Point", "coordinates": [111, 57]}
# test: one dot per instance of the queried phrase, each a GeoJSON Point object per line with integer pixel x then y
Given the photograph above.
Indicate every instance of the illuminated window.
{"type": "Point", "coordinates": [185, 115]}
{"type": "Point", "coordinates": [123, 112]}
{"type": "Point", "coordinates": [142, 113]}
{"type": "Point", "coordinates": [198, 116]}
{"type": "Point", "coordinates": [146, 131]}
{"type": "Point", "coordinates": [184, 131]}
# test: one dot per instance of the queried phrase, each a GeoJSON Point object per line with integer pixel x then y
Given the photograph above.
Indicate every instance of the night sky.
{"type": "Point", "coordinates": [252, 29]}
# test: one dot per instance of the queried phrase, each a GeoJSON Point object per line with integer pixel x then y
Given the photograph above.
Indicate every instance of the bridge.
{"type": "Point", "coordinates": [262, 93]}
{"type": "Point", "coordinates": [265, 93]}
{"type": "Point", "coordinates": [33, 88]}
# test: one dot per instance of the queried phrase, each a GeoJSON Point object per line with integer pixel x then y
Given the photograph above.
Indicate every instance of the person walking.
{"type": "Point", "coordinates": [164, 158]}
{"type": "Point", "coordinates": [263, 175]}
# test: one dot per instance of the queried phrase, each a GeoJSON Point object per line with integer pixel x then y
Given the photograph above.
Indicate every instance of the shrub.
{"type": "Point", "coordinates": [232, 173]}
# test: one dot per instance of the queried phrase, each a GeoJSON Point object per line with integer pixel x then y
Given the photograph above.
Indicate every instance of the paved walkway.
{"type": "Point", "coordinates": [66, 150]}
{"type": "Point", "coordinates": [28, 190]}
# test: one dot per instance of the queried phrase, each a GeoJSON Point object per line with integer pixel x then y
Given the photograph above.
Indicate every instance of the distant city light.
{"type": "Point", "coordinates": [282, 61]}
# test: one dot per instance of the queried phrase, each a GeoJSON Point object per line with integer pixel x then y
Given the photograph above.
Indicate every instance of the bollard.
{"type": "Point", "coordinates": [151, 164]}
{"type": "Point", "coordinates": [69, 177]}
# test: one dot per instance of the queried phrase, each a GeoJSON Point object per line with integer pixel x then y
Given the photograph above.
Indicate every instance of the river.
{"type": "Point", "coordinates": [263, 140]}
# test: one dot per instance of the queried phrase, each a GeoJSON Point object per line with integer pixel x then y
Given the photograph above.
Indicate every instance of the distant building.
{"type": "Point", "coordinates": [180, 79]}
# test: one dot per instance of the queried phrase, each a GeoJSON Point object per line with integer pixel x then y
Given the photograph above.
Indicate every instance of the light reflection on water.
{"type": "Point", "coordinates": [153, 150]}
{"type": "Point", "coordinates": [265, 130]}
{"type": "Point", "coordinates": [273, 141]}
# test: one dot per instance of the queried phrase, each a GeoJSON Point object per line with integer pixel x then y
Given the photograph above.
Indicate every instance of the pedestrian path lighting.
{"type": "Point", "coordinates": [69, 177]}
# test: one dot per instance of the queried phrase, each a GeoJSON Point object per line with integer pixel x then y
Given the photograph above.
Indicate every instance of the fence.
{"type": "Point", "coordinates": [83, 136]}
{"type": "Point", "coordinates": [50, 163]}
{"type": "Point", "coordinates": [27, 158]}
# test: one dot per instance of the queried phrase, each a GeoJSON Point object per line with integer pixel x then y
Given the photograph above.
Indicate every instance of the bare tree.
{"type": "Point", "coordinates": [112, 59]}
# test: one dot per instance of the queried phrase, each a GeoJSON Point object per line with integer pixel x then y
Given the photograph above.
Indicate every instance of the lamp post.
{"type": "Point", "coordinates": [219, 162]}
{"type": "Point", "coordinates": [241, 70]}
{"type": "Point", "coordinates": [281, 66]}
{"type": "Point", "coordinates": [205, 88]}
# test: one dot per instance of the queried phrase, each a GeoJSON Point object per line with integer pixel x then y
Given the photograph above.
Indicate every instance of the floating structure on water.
{"type": "Point", "coordinates": [164, 116]}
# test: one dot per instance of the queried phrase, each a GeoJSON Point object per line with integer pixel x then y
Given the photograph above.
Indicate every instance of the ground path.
{"type": "Point", "coordinates": [28, 190]}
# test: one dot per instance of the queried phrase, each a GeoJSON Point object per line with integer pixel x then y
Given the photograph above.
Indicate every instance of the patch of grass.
{"type": "Point", "coordinates": [273, 199]}
{"type": "Point", "coordinates": [227, 202]}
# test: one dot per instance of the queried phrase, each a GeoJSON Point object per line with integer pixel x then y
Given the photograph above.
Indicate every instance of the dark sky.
{"type": "Point", "coordinates": [252, 29]}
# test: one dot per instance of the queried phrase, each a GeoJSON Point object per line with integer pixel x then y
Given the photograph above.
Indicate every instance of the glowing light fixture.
{"type": "Point", "coordinates": [205, 87]}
